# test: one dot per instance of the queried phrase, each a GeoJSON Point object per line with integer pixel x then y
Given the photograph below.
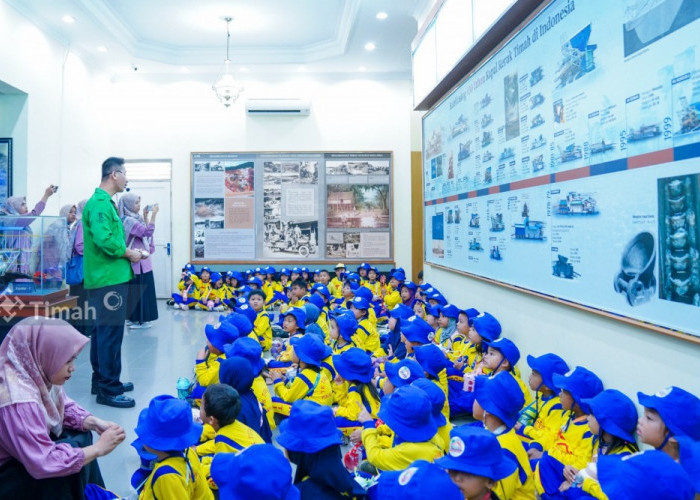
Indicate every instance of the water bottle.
{"type": "Point", "coordinates": [183, 387]}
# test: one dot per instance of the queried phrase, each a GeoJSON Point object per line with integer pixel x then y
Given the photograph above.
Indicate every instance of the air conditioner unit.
{"type": "Point", "coordinates": [275, 106]}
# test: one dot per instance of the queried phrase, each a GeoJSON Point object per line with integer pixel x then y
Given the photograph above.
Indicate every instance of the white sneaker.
{"type": "Point", "coordinates": [128, 323]}
{"type": "Point", "coordinates": [183, 307]}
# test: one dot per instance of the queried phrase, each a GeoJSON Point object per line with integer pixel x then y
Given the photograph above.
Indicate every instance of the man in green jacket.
{"type": "Point", "coordinates": [107, 270]}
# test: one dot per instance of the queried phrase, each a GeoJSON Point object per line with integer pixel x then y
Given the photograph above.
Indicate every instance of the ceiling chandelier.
{"type": "Point", "coordinates": [226, 87]}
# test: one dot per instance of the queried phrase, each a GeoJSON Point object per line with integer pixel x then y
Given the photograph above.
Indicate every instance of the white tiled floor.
{"type": "Point", "coordinates": [153, 359]}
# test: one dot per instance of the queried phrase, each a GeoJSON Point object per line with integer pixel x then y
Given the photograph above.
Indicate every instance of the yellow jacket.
{"type": "Point", "coordinates": [547, 424]}
{"type": "Point", "coordinates": [367, 337]}
{"type": "Point", "coordinates": [519, 485]}
{"type": "Point", "coordinates": [262, 394]}
{"type": "Point", "coordinates": [193, 291]}
{"type": "Point", "coordinates": [306, 385]}
{"type": "Point", "coordinates": [179, 477]}
{"type": "Point", "coordinates": [574, 443]}
{"type": "Point", "coordinates": [286, 353]}
{"type": "Point", "coordinates": [391, 299]}
{"type": "Point", "coordinates": [230, 438]}
{"type": "Point", "coordinates": [400, 456]}
{"type": "Point", "coordinates": [263, 330]}
{"type": "Point", "coordinates": [335, 287]}
{"type": "Point", "coordinates": [350, 405]}
{"type": "Point", "coordinates": [206, 371]}
{"type": "Point", "coordinates": [591, 486]}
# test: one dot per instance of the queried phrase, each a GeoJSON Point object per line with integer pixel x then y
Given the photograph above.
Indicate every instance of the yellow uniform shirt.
{"type": "Point", "coordinates": [374, 287]}
{"type": "Point", "coordinates": [336, 288]}
{"type": "Point", "coordinates": [263, 330]}
{"type": "Point", "coordinates": [519, 485]}
{"type": "Point", "coordinates": [306, 385]}
{"type": "Point", "coordinates": [574, 443]}
{"type": "Point", "coordinates": [262, 394]}
{"type": "Point", "coordinates": [591, 486]}
{"type": "Point", "coordinates": [391, 299]}
{"type": "Point", "coordinates": [367, 337]}
{"type": "Point", "coordinates": [230, 438]}
{"type": "Point", "coordinates": [177, 477]}
{"type": "Point", "coordinates": [207, 371]}
{"type": "Point", "coordinates": [547, 423]}
{"type": "Point", "coordinates": [402, 455]}
{"type": "Point", "coordinates": [349, 407]}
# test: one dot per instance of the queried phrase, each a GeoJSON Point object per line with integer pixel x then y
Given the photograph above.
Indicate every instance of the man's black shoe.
{"type": "Point", "coordinates": [116, 401]}
{"type": "Point", "coordinates": [126, 387]}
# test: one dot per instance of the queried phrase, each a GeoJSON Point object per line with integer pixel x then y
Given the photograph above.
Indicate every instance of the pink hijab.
{"type": "Point", "coordinates": [33, 351]}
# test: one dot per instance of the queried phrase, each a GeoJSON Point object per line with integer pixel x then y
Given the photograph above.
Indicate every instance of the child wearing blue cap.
{"type": "Point", "coordinates": [435, 364]}
{"type": "Point", "coordinates": [459, 345]}
{"type": "Point", "coordinates": [336, 284]}
{"type": "Point", "coordinates": [574, 443]}
{"type": "Point", "coordinates": [408, 413]}
{"type": "Point", "coordinates": [400, 374]}
{"type": "Point", "coordinates": [299, 290]}
{"type": "Point", "coordinates": [261, 326]}
{"type": "Point", "coordinates": [373, 283]}
{"type": "Point", "coordinates": [612, 419]}
{"type": "Point", "coordinates": [308, 352]}
{"type": "Point", "coordinates": [649, 474]}
{"type": "Point", "coordinates": [419, 481]}
{"type": "Point", "coordinates": [497, 401]}
{"type": "Point", "coordinates": [668, 414]}
{"type": "Point", "coordinates": [312, 442]}
{"type": "Point", "coordinates": [476, 462]}
{"type": "Point", "coordinates": [260, 471]}
{"type": "Point", "coordinates": [539, 423]}
{"type": "Point", "coordinates": [447, 325]}
{"type": "Point", "coordinates": [354, 366]}
{"type": "Point", "coordinates": [293, 322]}
{"type": "Point", "coordinates": [342, 329]}
{"type": "Point", "coordinates": [392, 344]}
{"type": "Point", "coordinates": [166, 430]}
{"type": "Point", "coordinates": [502, 355]}
{"type": "Point", "coordinates": [415, 332]}
{"type": "Point", "coordinates": [187, 294]}
{"type": "Point", "coordinates": [366, 336]}
{"type": "Point", "coordinates": [252, 351]}
{"type": "Point", "coordinates": [206, 367]}
{"type": "Point", "coordinates": [312, 313]}
{"type": "Point", "coordinates": [690, 460]}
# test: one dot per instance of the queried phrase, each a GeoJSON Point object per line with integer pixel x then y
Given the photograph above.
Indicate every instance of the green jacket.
{"type": "Point", "coordinates": [105, 244]}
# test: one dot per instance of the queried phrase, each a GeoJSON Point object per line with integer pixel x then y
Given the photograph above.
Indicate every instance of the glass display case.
{"type": "Point", "coordinates": [33, 254]}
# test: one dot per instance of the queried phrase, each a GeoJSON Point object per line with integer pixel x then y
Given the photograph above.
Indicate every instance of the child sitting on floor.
{"type": "Point", "coordinates": [354, 366]}
{"type": "Point", "coordinates": [502, 356]}
{"type": "Point", "coordinates": [206, 368]}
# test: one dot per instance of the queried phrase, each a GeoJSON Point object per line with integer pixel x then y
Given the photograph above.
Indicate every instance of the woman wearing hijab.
{"type": "Point", "coordinates": [46, 449]}
{"type": "Point", "coordinates": [237, 372]}
{"type": "Point", "coordinates": [138, 228]}
{"type": "Point", "coordinates": [312, 442]}
{"type": "Point", "coordinates": [21, 239]}
{"type": "Point", "coordinates": [56, 246]}
{"type": "Point", "coordinates": [78, 290]}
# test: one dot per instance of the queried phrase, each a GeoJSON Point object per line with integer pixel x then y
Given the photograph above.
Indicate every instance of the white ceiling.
{"type": "Point", "coordinates": [168, 37]}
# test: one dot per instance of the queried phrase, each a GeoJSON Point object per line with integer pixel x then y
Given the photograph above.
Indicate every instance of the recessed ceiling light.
{"type": "Point", "coordinates": [382, 15]}
{"type": "Point", "coordinates": [370, 46]}
{"type": "Point", "coordinates": [243, 69]}
{"type": "Point", "coordinates": [68, 19]}
{"type": "Point", "coordinates": [184, 69]}
{"type": "Point", "coordinates": [101, 48]}
{"type": "Point", "coordinates": [362, 68]}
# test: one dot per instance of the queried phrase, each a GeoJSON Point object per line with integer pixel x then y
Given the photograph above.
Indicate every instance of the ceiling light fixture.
{"type": "Point", "coordinates": [382, 15]}
{"type": "Point", "coordinates": [68, 19]}
{"type": "Point", "coordinates": [101, 48]}
{"type": "Point", "coordinates": [226, 87]}
{"type": "Point", "coordinates": [369, 46]}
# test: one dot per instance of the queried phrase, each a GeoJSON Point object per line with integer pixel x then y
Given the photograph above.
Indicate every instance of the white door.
{"type": "Point", "coordinates": [152, 192]}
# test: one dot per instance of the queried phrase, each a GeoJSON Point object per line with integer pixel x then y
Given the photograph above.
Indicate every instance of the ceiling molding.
{"type": "Point", "coordinates": [36, 19]}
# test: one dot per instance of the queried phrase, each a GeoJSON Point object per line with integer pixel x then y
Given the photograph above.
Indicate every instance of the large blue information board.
{"type": "Point", "coordinates": [569, 162]}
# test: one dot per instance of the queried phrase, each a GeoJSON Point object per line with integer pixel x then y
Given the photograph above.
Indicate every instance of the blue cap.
{"type": "Point", "coordinates": [190, 268]}
{"type": "Point", "coordinates": [347, 325]}
{"type": "Point", "coordinates": [237, 372]}
{"type": "Point", "coordinates": [476, 451]}
{"type": "Point", "coordinates": [354, 365]}
{"type": "Point", "coordinates": [507, 348]}
{"type": "Point", "coordinates": [420, 481]}
{"type": "Point", "coordinates": [432, 310]}
{"type": "Point", "coordinates": [416, 329]}
{"type": "Point", "coordinates": [471, 313]}
{"type": "Point", "coordinates": [432, 359]}
{"type": "Point", "coordinates": [450, 311]}
{"type": "Point", "coordinates": [298, 313]}
{"type": "Point", "coordinates": [401, 311]}
{"type": "Point", "coordinates": [215, 277]}
{"type": "Point", "coordinates": [436, 397]}
{"type": "Point", "coordinates": [500, 396]}
{"type": "Point", "coordinates": [547, 365]}
{"type": "Point", "coordinates": [260, 471]}
{"type": "Point", "coordinates": [352, 277]}
{"type": "Point", "coordinates": [408, 284]}
{"type": "Point", "coordinates": [255, 281]}
{"type": "Point", "coordinates": [354, 285]}
{"type": "Point", "coordinates": [398, 275]}
{"type": "Point", "coordinates": [167, 425]}
{"type": "Point", "coordinates": [205, 268]}
{"type": "Point", "coordinates": [312, 312]}
{"type": "Point", "coordinates": [365, 293]}
{"type": "Point", "coordinates": [487, 326]}
{"type": "Point", "coordinates": [250, 349]}
{"type": "Point", "coordinates": [316, 300]}
{"type": "Point", "coordinates": [360, 303]}
{"type": "Point", "coordinates": [296, 269]}
{"type": "Point", "coordinates": [690, 459]}
{"type": "Point", "coordinates": [309, 349]}
{"type": "Point", "coordinates": [364, 266]}
{"type": "Point", "coordinates": [322, 289]}
{"type": "Point", "coordinates": [285, 271]}
{"type": "Point", "coordinates": [304, 269]}
{"type": "Point", "coordinates": [310, 428]}
{"type": "Point", "coordinates": [679, 409]}
{"type": "Point", "coordinates": [648, 474]}
{"type": "Point", "coordinates": [425, 286]}
{"type": "Point", "coordinates": [240, 321]}
{"type": "Point", "coordinates": [404, 372]}
{"type": "Point", "coordinates": [270, 270]}
{"type": "Point", "coordinates": [248, 311]}
{"type": "Point", "coordinates": [580, 383]}
{"type": "Point", "coordinates": [615, 413]}
{"type": "Point", "coordinates": [226, 333]}
{"type": "Point", "coordinates": [408, 412]}
{"type": "Point", "coordinates": [441, 300]}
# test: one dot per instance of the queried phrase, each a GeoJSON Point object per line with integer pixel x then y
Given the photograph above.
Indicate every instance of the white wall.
{"type": "Point", "coordinates": [171, 120]}
{"type": "Point", "coordinates": [625, 357]}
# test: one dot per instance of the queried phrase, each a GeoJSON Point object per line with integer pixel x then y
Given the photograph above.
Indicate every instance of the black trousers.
{"type": "Point", "coordinates": [15, 481]}
{"type": "Point", "coordinates": [106, 344]}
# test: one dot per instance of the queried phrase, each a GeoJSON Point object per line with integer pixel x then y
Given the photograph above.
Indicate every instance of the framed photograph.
{"type": "Point", "coordinates": [5, 169]}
